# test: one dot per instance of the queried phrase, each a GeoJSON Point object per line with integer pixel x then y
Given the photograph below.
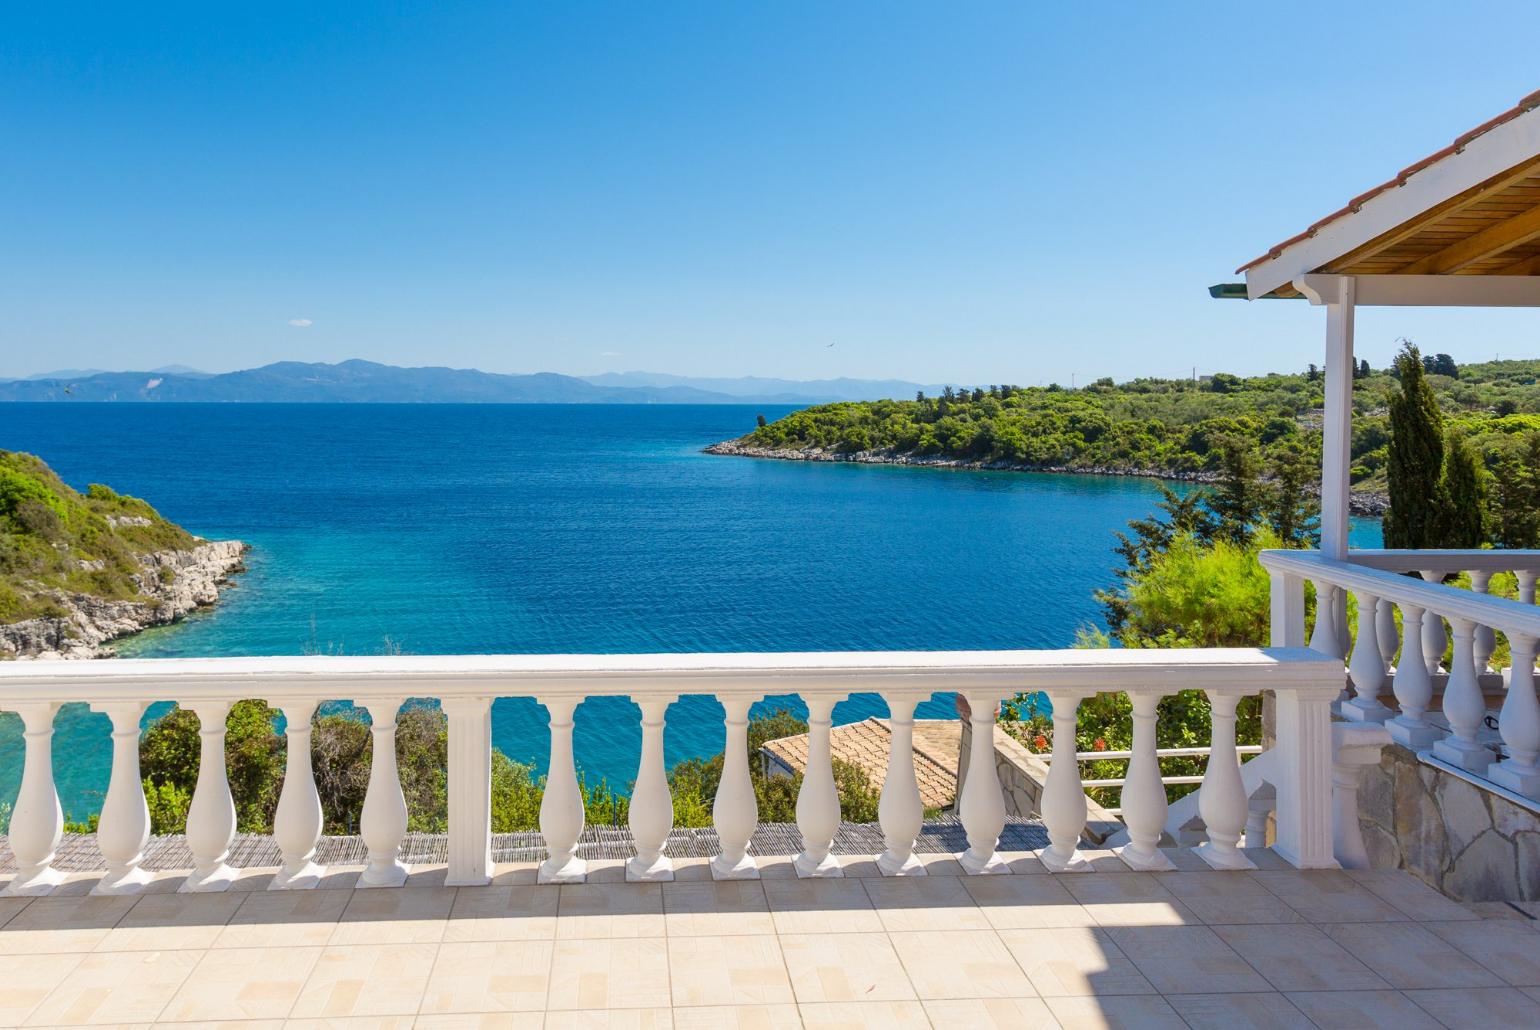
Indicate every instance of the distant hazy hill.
{"type": "Point", "coordinates": [757, 387]}
{"type": "Point", "coordinates": [363, 382]}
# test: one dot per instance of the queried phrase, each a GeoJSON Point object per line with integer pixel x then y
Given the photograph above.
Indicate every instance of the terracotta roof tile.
{"type": "Point", "coordinates": [866, 744]}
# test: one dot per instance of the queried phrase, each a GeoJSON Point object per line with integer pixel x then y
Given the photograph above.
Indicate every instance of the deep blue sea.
{"type": "Point", "coordinates": [573, 528]}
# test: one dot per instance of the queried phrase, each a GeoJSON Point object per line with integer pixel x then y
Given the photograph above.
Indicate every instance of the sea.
{"type": "Point", "coordinates": [539, 529]}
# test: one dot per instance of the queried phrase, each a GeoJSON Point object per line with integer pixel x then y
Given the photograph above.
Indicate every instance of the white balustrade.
{"type": "Point", "coordinates": [469, 722]}
{"type": "Point", "coordinates": [981, 806]}
{"type": "Point", "coordinates": [1464, 705]}
{"type": "Point", "coordinates": [124, 828]}
{"type": "Point", "coordinates": [1223, 799]}
{"type": "Point", "coordinates": [1435, 640]}
{"type": "Point", "coordinates": [37, 822]}
{"type": "Point", "coordinates": [1520, 724]}
{"type": "Point", "coordinates": [1385, 631]}
{"type": "Point", "coordinates": [297, 823]}
{"type": "Point", "coordinates": [652, 806]}
{"type": "Point", "coordinates": [382, 825]}
{"type": "Point", "coordinates": [818, 802]}
{"type": "Point", "coordinates": [1486, 640]}
{"type": "Point", "coordinates": [1367, 667]}
{"type": "Point", "coordinates": [561, 809]}
{"type": "Point", "coordinates": [1063, 803]}
{"type": "Point", "coordinates": [1414, 688]}
{"type": "Point", "coordinates": [211, 815]}
{"type": "Point", "coordinates": [1144, 795]}
{"type": "Point", "coordinates": [900, 811]}
{"type": "Point", "coordinates": [735, 812]}
{"type": "Point", "coordinates": [1258, 807]}
{"type": "Point", "coordinates": [1325, 637]}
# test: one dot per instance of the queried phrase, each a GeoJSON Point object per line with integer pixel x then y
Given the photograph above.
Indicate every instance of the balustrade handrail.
{"type": "Point", "coordinates": [1447, 561]}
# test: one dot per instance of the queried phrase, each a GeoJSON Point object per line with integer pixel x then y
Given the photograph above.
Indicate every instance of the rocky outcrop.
{"type": "Point", "coordinates": [172, 584]}
{"type": "Point", "coordinates": [1360, 503]}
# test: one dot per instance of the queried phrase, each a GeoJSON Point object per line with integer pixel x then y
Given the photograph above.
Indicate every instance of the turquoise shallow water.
{"type": "Point", "coordinates": [555, 528]}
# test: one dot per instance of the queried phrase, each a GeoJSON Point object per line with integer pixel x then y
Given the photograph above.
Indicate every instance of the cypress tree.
{"type": "Point", "coordinates": [1465, 496]}
{"type": "Point", "coordinates": [1239, 496]}
{"type": "Point", "coordinates": [1416, 460]}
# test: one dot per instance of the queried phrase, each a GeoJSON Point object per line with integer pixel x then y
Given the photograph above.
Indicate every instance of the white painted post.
{"type": "Point", "coordinates": [382, 824]}
{"type": "Point", "coordinates": [900, 810]}
{"type": "Point", "coordinates": [37, 821]}
{"type": "Point", "coordinates": [211, 815]}
{"type": "Point", "coordinates": [1222, 800]}
{"type": "Point", "coordinates": [1434, 638]}
{"type": "Point", "coordinates": [1304, 779]}
{"type": "Point", "coordinates": [1337, 428]}
{"type": "Point", "coordinates": [1464, 706]}
{"type": "Point", "coordinates": [818, 802]}
{"type": "Point", "coordinates": [561, 809]}
{"type": "Point", "coordinates": [1144, 796]}
{"type": "Point", "coordinates": [1486, 640]}
{"type": "Point", "coordinates": [1367, 669]}
{"type": "Point", "coordinates": [1520, 724]}
{"type": "Point", "coordinates": [470, 791]}
{"type": "Point", "coordinates": [125, 823]}
{"type": "Point", "coordinates": [1287, 609]}
{"type": "Point", "coordinates": [981, 806]}
{"type": "Point", "coordinates": [735, 812]}
{"type": "Point", "coordinates": [652, 805]}
{"type": "Point", "coordinates": [1063, 803]}
{"type": "Point", "coordinates": [297, 823]}
{"type": "Point", "coordinates": [1413, 687]}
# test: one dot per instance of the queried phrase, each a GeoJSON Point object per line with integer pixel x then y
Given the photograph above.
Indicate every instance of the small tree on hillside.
{"type": "Point", "coordinates": [1238, 498]}
{"type": "Point", "coordinates": [1465, 496]}
{"type": "Point", "coordinates": [1416, 458]}
{"type": "Point", "coordinates": [1292, 511]}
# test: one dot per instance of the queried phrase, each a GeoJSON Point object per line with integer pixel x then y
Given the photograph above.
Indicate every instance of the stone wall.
{"type": "Point", "coordinates": [1469, 843]}
{"type": "Point", "coordinates": [1022, 775]}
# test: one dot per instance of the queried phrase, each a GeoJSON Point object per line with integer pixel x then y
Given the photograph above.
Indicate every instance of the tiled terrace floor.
{"type": "Point", "coordinates": [1272, 948]}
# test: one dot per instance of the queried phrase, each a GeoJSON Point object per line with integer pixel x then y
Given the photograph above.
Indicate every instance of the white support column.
{"type": "Point", "coordinates": [298, 821]}
{"type": "Point", "coordinates": [470, 791]}
{"type": "Point", "coordinates": [37, 822]}
{"type": "Point", "coordinates": [1367, 668]}
{"type": "Point", "coordinates": [1144, 796]}
{"type": "Point", "coordinates": [1356, 748]}
{"type": "Point", "coordinates": [1288, 609]}
{"type": "Point", "coordinates": [1413, 687]}
{"type": "Point", "coordinates": [1063, 803]}
{"type": "Point", "coordinates": [211, 816]}
{"type": "Point", "coordinates": [1520, 724]}
{"type": "Point", "coordinates": [383, 822]}
{"type": "Point", "coordinates": [900, 810]}
{"type": "Point", "coordinates": [735, 812]}
{"type": "Point", "coordinates": [981, 805]}
{"type": "Point", "coordinates": [1464, 706]}
{"type": "Point", "coordinates": [652, 805]}
{"type": "Point", "coordinates": [1337, 430]}
{"type": "Point", "coordinates": [561, 809]}
{"type": "Point", "coordinates": [818, 802]}
{"type": "Point", "coordinates": [1222, 801]}
{"type": "Point", "coordinates": [1304, 777]}
{"type": "Point", "coordinates": [125, 824]}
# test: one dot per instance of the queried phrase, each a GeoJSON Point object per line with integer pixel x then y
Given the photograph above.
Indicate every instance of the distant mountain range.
{"type": "Point", "coordinates": [365, 382]}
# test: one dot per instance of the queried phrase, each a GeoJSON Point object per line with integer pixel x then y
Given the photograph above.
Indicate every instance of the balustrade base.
{"type": "Point", "coordinates": [382, 875]}
{"type": "Point", "coordinates": [306, 877]}
{"type": "Point", "coordinates": [1058, 862]}
{"type": "Point", "coordinates": [128, 881]}
{"type": "Point", "coordinates": [34, 884]}
{"type": "Point", "coordinates": [1224, 858]}
{"type": "Point", "coordinates": [743, 869]}
{"type": "Point", "coordinates": [1152, 861]}
{"type": "Point", "coordinates": [1519, 779]}
{"type": "Point", "coordinates": [890, 864]}
{"type": "Point", "coordinates": [809, 867]}
{"type": "Point", "coordinates": [1413, 735]}
{"type": "Point", "coordinates": [659, 870]}
{"type": "Point", "coordinates": [563, 869]}
{"type": "Point", "coordinates": [1473, 758]}
{"type": "Point", "coordinates": [1360, 709]}
{"type": "Point", "coordinates": [983, 865]}
{"type": "Point", "coordinates": [217, 879]}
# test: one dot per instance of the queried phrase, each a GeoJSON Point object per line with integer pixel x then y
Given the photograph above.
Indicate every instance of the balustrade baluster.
{"type": "Point", "coordinates": [383, 822]}
{"type": "Point", "coordinates": [1385, 631]}
{"type": "Point", "coordinates": [652, 806]}
{"type": "Point", "coordinates": [1144, 796]}
{"type": "Point", "coordinates": [125, 823]}
{"type": "Point", "coordinates": [1520, 724]}
{"type": "Point", "coordinates": [900, 811]}
{"type": "Point", "coordinates": [818, 802]}
{"type": "Point", "coordinates": [1222, 803]}
{"type": "Point", "coordinates": [1435, 639]}
{"type": "Point", "coordinates": [297, 823]}
{"type": "Point", "coordinates": [37, 822]}
{"type": "Point", "coordinates": [561, 809]}
{"type": "Point", "coordinates": [981, 806]}
{"type": "Point", "coordinates": [735, 812]}
{"type": "Point", "coordinates": [211, 815]}
{"type": "Point", "coordinates": [1367, 669]}
{"type": "Point", "coordinates": [1486, 640]}
{"type": "Point", "coordinates": [1063, 803]}
{"type": "Point", "coordinates": [1413, 687]}
{"type": "Point", "coordinates": [1323, 637]}
{"type": "Point", "coordinates": [1258, 807]}
{"type": "Point", "coordinates": [1527, 585]}
{"type": "Point", "coordinates": [1464, 706]}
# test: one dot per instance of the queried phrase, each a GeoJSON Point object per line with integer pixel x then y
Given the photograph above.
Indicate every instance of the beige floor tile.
{"type": "Point", "coordinates": [613, 1019]}
{"type": "Point", "coordinates": [1224, 910]}
{"type": "Point", "coordinates": [1266, 858]}
{"type": "Point", "coordinates": [426, 876]}
{"type": "Point", "coordinates": [708, 909]}
{"type": "Point", "coordinates": [1327, 895]}
{"type": "Point", "coordinates": [738, 1017]}
{"type": "Point", "coordinates": [1506, 948]}
{"type": "Point", "coordinates": [727, 971]}
{"type": "Point", "coordinates": [253, 879]}
{"type": "Point", "coordinates": [63, 924]}
{"type": "Point", "coordinates": [1299, 957]}
{"type": "Point", "coordinates": [860, 865]}
{"type": "Point", "coordinates": [855, 1015]}
{"type": "Point", "coordinates": [1188, 861]}
{"type": "Point", "coordinates": [396, 915]}
{"type": "Point", "coordinates": [1023, 902]}
{"type": "Point", "coordinates": [1125, 1012]}
{"type": "Point", "coordinates": [1115, 888]}
{"type": "Point", "coordinates": [243, 983]}
{"type": "Point", "coordinates": [925, 903]}
{"type": "Point", "coordinates": [334, 1023]}
{"type": "Point", "coordinates": [125, 987]}
{"type": "Point", "coordinates": [602, 974]}
{"type": "Point", "coordinates": [942, 865]}
{"type": "Point", "coordinates": [1142, 913]}
{"type": "Point", "coordinates": [590, 911]}
{"type": "Point", "coordinates": [845, 967]}
{"type": "Point", "coordinates": [1410, 956]}
{"type": "Point", "coordinates": [691, 868]}
{"type": "Point", "coordinates": [1362, 1010]}
{"type": "Point", "coordinates": [25, 980]}
{"type": "Point", "coordinates": [1411, 895]}
{"type": "Point", "coordinates": [172, 922]}
{"type": "Point", "coordinates": [276, 919]}
{"type": "Point", "coordinates": [503, 914]}
{"type": "Point", "coordinates": [1237, 1011]}
{"type": "Point", "coordinates": [821, 906]}
{"type": "Point", "coordinates": [1210, 883]}
{"type": "Point", "coordinates": [960, 964]}
{"type": "Point", "coordinates": [1186, 959]}
{"type": "Point", "coordinates": [515, 874]}
{"type": "Point", "coordinates": [489, 976]}
{"type": "Point", "coordinates": [10, 906]}
{"type": "Point", "coordinates": [1074, 961]}
{"type": "Point", "coordinates": [1464, 1008]}
{"type": "Point", "coordinates": [1023, 863]}
{"type": "Point", "coordinates": [339, 878]}
{"type": "Point", "coordinates": [990, 1014]}
{"type": "Point", "coordinates": [481, 1021]}
{"type": "Point", "coordinates": [366, 980]}
{"type": "Point", "coordinates": [776, 867]}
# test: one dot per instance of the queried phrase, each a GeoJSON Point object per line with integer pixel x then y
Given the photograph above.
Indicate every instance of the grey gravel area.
{"type": "Point", "coordinates": [78, 852]}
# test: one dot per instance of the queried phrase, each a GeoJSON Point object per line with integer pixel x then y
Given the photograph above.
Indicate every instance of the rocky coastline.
{"type": "Point", "coordinates": [174, 582]}
{"type": "Point", "coordinates": [1364, 503]}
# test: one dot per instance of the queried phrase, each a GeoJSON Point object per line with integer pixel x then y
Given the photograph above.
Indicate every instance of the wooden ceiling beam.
{"type": "Point", "coordinates": [1523, 266]}
{"type": "Point", "coordinates": [1505, 235]}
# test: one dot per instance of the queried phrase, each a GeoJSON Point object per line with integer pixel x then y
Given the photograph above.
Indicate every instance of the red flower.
{"type": "Point", "coordinates": [1098, 744]}
{"type": "Point", "coordinates": [1040, 742]}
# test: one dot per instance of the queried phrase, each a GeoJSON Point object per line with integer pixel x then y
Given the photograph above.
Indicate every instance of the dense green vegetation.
{"type": "Point", "coordinates": [53, 538]}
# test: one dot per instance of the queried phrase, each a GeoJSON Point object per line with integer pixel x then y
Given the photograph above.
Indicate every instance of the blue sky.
{"type": "Point", "coordinates": [965, 192]}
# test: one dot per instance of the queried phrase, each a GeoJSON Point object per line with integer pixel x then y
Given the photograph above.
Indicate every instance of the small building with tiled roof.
{"type": "Point", "coordinates": [867, 744]}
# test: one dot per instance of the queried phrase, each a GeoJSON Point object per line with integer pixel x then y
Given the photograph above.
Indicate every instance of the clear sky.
{"type": "Point", "coordinates": [967, 192]}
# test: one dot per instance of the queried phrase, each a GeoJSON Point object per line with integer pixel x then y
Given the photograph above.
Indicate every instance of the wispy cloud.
{"type": "Point", "coordinates": [301, 323]}
{"type": "Point", "coordinates": [609, 354]}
